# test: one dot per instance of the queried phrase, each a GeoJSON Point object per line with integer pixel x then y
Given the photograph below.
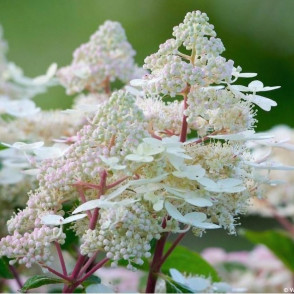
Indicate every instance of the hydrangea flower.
{"type": "Point", "coordinates": [129, 168]}
{"type": "Point", "coordinates": [106, 57]}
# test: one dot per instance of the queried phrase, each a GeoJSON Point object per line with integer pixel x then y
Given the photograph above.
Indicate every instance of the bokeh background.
{"type": "Point", "coordinates": [258, 36]}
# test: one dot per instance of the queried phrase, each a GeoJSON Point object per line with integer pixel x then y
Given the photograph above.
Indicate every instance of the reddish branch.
{"type": "Point", "coordinates": [184, 129]}
{"type": "Point", "coordinates": [60, 255]}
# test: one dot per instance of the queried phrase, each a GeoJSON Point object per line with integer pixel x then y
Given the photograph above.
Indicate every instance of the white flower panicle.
{"type": "Point", "coordinates": [276, 180]}
{"type": "Point", "coordinates": [106, 57]}
{"type": "Point", "coordinates": [132, 154]}
{"type": "Point", "coordinates": [172, 71]}
{"type": "Point", "coordinates": [114, 130]}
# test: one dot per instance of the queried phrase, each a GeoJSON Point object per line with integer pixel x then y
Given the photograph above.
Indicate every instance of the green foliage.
{"type": "Point", "coordinates": [278, 242]}
{"type": "Point", "coordinates": [4, 269]}
{"type": "Point", "coordinates": [91, 280]}
{"type": "Point", "coordinates": [187, 261]}
{"type": "Point", "coordinates": [38, 281]}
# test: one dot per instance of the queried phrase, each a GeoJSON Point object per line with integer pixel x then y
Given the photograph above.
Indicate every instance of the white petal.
{"type": "Point", "coordinates": [21, 108]}
{"type": "Point", "coordinates": [134, 91]}
{"type": "Point", "coordinates": [157, 206]}
{"type": "Point", "coordinates": [147, 181]}
{"type": "Point", "coordinates": [15, 163]}
{"type": "Point", "coordinates": [207, 182]}
{"type": "Point", "coordinates": [176, 161]}
{"type": "Point", "coordinates": [26, 147]}
{"type": "Point", "coordinates": [44, 79]}
{"type": "Point", "coordinates": [9, 176]}
{"type": "Point", "coordinates": [180, 174]}
{"type": "Point", "coordinates": [137, 82]}
{"type": "Point", "coordinates": [239, 88]}
{"type": "Point", "coordinates": [195, 217]}
{"type": "Point", "coordinates": [92, 204]}
{"type": "Point", "coordinates": [247, 74]}
{"type": "Point", "coordinates": [255, 86]}
{"type": "Point", "coordinates": [148, 188]}
{"type": "Point", "coordinates": [31, 172]}
{"type": "Point", "coordinates": [263, 102]}
{"type": "Point", "coordinates": [198, 284]}
{"type": "Point", "coordinates": [139, 158]}
{"type": "Point", "coordinates": [177, 276]}
{"type": "Point", "coordinates": [194, 171]}
{"type": "Point", "coordinates": [73, 218]}
{"type": "Point", "coordinates": [229, 182]}
{"type": "Point", "coordinates": [48, 152]}
{"type": "Point", "coordinates": [118, 167]}
{"type": "Point", "coordinates": [151, 147]}
{"type": "Point", "coordinates": [117, 192]}
{"type": "Point", "coordinates": [177, 192]}
{"type": "Point", "coordinates": [270, 166]}
{"type": "Point", "coordinates": [52, 220]}
{"type": "Point", "coordinates": [244, 136]}
{"type": "Point", "coordinates": [98, 203]}
{"type": "Point", "coordinates": [199, 201]}
{"type": "Point", "coordinates": [178, 153]}
{"type": "Point", "coordinates": [174, 213]}
{"type": "Point", "coordinates": [271, 88]}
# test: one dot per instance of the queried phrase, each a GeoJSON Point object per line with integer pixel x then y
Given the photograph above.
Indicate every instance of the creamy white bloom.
{"type": "Point", "coordinates": [195, 219]}
{"type": "Point", "coordinates": [229, 185]}
{"type": "Point", "coordinates": [58, 220]}
{"type": "Point", "coordinates": [21, 108]}
{"type": "Point", "coordinates": [24, 146]}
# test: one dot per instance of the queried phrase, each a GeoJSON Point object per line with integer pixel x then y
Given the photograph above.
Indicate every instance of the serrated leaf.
{"type": "Point", "coordinates": [38, 281]}
{"type": "Point", "coordinates": [185, 260]}
{"type": "Point", "coordinates": [4, 269]}
{"type": "Point", "coordinates": [278, 242]}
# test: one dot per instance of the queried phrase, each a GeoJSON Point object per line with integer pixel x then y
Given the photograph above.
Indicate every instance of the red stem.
{"type": "Point", "coordinates": [171, 249]}
{"type": "Point", "coordinates": [107, 88]}
{"type": "Point", "coordinates": [16, 275]}
{"type": "Point", "coordinates": [77, 267]}
{"type": "Point", "coordinates": [83, 198]}
{"type": "Point", "coordinates": [61, 259]}
{"type": "Point", "coordinates": [94, 219]}
{"type": "Point", "coordinates": [93, 270]}
{"type": "Point", "coordinates": [57, 273]}
{"type": "Point", "coordinates": [71, 288]}
{"type": "Point", "coordinates": [88, 263]}
{"type": "Point", "coordinates": [155, 265]}
{"type": "Point", "coordinates": [116, 182]}
{"type": "Point", "coordinates": [183, 136]}
{"type": "Point", "coordinates": [284, 222]}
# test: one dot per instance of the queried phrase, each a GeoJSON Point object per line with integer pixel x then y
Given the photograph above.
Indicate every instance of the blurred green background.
{"type": "Point", "coordinates": [258, 35]}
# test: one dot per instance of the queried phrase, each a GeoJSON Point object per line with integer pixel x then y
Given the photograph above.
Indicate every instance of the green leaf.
{"type": "Point", "coordinates": [175, 287]}
{"type": "Point", "coordinates": [278, 242]}
{"type": "Point", "coordinates": [91, 280]}
{"type": "Point", "coordinates": [4, 269]}
{"type": "Point", "coordinates": [185, 260]}
{"type": "Point", "coordinates": [38, 281]}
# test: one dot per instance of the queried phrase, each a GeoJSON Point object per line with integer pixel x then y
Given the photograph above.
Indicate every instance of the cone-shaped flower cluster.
{"type": "Point", "coordinates": [106, 57]}
{"type": "Point", "coordinates": [130, 171]}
